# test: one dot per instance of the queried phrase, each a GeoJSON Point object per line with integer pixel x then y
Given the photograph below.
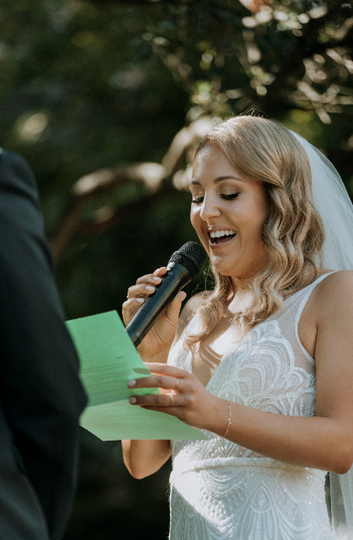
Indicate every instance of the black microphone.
{"type": "Point", "coordinates": [183, 265]}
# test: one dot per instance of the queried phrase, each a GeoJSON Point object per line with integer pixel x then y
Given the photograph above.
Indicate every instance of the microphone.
{"type": "Point", "coordinates": [183, 265]}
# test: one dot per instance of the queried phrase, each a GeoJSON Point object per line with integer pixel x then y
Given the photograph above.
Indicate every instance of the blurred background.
{"type": "Point", "coordinates": [106, 99]}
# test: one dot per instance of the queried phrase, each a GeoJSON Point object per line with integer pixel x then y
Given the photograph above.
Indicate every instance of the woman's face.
{"type": "Point", "coordinates": [228, 212]}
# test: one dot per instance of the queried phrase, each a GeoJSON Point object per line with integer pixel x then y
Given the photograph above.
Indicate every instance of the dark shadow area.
{"type": "Point", "coordinates": [112, 505]}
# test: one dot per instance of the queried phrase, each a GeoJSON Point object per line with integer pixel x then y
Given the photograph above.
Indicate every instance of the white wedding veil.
{"type": "Point", "coordinates": [331, 200]}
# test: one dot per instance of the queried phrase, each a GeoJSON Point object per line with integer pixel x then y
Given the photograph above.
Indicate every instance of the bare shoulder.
{"type": "Point", "coordinates": [334, 294]}
{"type": "Point", "coordinates": [189, 310]}
{"type": "Point", "coordinates": [336, 282]}
{"type": "Point", "coordinates": [327, 317]}
{"type": "Point", "coordinates": [194, 302]}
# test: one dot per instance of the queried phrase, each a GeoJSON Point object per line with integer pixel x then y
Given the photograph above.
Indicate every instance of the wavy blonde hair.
{"type": "Point", "coordinates": [293, 233]}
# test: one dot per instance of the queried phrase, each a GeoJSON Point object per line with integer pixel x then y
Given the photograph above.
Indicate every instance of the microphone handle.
{"type": "Point", "coordinates": [176, 278]}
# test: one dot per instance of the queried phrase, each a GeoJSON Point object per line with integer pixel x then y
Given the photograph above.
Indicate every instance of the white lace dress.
{"type": "Point", "coordinates": [220, 490]}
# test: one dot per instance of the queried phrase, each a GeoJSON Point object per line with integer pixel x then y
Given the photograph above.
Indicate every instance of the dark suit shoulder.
{"type": "Point", "coordinates": [14, 169]}
{"type": "Point", "coordinates": [40, 389]}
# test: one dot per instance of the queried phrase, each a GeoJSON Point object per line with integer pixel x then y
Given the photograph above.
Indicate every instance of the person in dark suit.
{"type": "Point", "coordinates": [41, 397]}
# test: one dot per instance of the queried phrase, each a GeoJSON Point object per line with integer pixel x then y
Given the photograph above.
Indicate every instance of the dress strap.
{"type": "Point", "coordinates": [306, 293]}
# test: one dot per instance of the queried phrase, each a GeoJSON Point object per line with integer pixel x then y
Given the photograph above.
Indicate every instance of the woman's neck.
{"type": "Point", "coordinates": [244, 282]}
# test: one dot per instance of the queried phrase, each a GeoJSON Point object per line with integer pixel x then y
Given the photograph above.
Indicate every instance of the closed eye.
{"type": "Point", "coordinates": [197, 200]}
{"type": "Point", "coordinates": [230, 197]}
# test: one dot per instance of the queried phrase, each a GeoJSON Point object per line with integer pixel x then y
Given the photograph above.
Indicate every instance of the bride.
{"type": "Point", "coordinates": [263, 363]}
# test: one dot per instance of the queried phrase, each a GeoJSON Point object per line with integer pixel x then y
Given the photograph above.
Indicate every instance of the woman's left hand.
{"type": "Point", "coordinates": [182, 396]}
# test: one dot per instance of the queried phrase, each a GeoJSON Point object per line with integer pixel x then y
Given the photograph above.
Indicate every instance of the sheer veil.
{"type": "Point", "coordinates": [332, 201]}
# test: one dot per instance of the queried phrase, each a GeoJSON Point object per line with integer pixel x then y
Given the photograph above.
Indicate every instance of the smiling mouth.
{"type": "Point", "coordinates": [219, 237]}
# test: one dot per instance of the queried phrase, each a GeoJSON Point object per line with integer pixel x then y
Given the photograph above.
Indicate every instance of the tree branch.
{"type": "Point", "coordinates": [154, 178]}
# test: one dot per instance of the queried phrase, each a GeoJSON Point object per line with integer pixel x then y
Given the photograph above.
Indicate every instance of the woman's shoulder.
{"type": "Point", "coordinates": [334, 293]}
{"type": "Point", "coordinates": [195, 302]}
{"type": "Point", "coordinates": [335, 280]}
{"type": "Point", "coordinates": [190, 309]}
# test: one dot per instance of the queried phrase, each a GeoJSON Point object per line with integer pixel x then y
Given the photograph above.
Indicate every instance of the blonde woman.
{"type": "Point", "coordinates": [263, 364]}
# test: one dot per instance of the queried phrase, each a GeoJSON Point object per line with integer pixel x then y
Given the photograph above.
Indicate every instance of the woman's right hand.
{"type": "Point", "coordinates": [157, 342]}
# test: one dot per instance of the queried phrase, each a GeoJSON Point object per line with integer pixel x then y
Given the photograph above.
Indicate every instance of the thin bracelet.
{"type": "Point", "coordinates": [229, 418]}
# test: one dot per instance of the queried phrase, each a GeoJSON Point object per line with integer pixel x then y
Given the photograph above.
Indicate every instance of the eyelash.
{"type": "Point", "coordinates": [230, 197]}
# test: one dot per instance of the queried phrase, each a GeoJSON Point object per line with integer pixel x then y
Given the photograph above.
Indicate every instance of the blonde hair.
{"type": "Point", "coordinates": [293, 233]}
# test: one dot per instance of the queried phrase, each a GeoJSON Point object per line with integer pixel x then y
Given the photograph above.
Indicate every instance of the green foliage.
{"type": "Point", "coordinates": [95, 276]}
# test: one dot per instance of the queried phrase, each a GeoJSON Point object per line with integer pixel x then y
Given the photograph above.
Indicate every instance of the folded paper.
{"type": "Point", "coordinates": [108, 360]}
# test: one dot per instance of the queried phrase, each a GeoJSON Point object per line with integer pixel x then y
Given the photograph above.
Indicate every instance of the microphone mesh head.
{"type": "Point", "coordinates": [191, 255]}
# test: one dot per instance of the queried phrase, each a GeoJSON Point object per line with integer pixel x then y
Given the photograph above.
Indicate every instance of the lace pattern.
{"type": "Point", "coordinates": [220, 490]}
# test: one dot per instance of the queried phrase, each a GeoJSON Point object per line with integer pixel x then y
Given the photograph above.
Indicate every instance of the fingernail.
{"type": "Point", "coordinates": [131, 383]}
{"type": "Point", "coordinates": [132, 400]}
{"type": "Point", "coordinates": [140, 300]}
{"type": "Point", "coordinates": [156, 278]}
{"type": "Point", "coordinates": [149, 288]}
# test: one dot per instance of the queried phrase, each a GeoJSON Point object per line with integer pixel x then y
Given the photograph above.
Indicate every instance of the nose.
{"type": "Point", "coordinates": [209, 208]}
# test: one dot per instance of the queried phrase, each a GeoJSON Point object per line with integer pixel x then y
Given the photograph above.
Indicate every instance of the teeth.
{"type": "Point", "coordinates": [219, 234]}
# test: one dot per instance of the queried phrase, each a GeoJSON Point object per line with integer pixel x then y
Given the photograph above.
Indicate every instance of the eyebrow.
{"type": "Point", "coordinates": [219, 179]}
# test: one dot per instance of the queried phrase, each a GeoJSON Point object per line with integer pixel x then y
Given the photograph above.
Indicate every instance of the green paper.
{"type": "Point", "coordinates": [108, 360]}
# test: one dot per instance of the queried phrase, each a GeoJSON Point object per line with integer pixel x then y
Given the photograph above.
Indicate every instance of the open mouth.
{"type": "Point", "coordinates": [220, 237]}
